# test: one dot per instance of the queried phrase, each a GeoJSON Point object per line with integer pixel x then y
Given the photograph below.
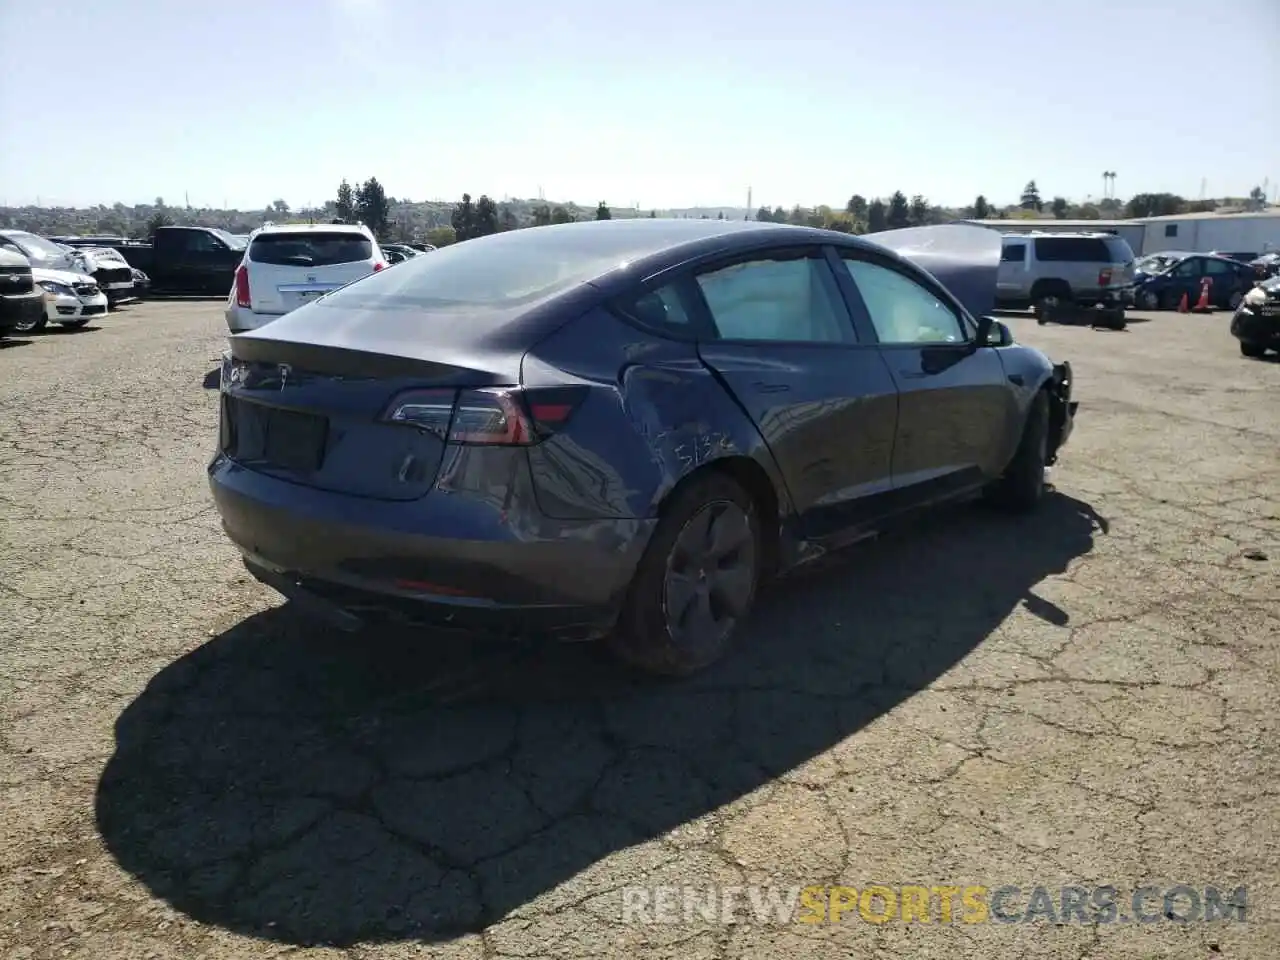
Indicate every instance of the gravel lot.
{"type": "Point", "coordinates": [1088, 696]}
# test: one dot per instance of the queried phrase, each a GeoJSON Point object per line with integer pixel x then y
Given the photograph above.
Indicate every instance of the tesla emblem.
{"type": "Point", "coordinates": [284, 370]}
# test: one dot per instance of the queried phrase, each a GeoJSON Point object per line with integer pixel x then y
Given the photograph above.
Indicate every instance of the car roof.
{"type": "Point", "coordinates": [352, 228]}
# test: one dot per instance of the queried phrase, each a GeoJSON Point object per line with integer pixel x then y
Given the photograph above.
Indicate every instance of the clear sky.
{"type": "Point", "coordinates": [664, 102]}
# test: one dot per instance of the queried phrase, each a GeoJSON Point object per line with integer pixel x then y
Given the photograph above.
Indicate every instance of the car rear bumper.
{"type": "Point", "coordinates": [357, 561]}
{"type": "Point", "coordinates": [1250, 325]}
{"type": "Point", "coordinates": [243, 319]}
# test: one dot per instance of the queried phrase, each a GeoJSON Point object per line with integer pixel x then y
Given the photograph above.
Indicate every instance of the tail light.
{"type": "Point", "coordinates": [503, 416]}
{"type": "Point", "coordinates": [242, 286]}
{"type": "Point", "coordinates": [1104, 277]}
{"type": "Point", "coordinates": [379, 265]}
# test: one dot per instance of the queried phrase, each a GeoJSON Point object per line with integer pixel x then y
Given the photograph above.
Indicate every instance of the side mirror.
{"type": "Point", "coordinates": [993, 333]}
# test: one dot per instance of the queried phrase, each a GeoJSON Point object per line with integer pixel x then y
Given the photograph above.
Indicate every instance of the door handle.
{"type": "Point", "coordinates": [761, 387]}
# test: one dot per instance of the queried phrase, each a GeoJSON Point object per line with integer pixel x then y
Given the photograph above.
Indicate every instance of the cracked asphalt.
{"type": "Point", "coordinates": [1087, 696]}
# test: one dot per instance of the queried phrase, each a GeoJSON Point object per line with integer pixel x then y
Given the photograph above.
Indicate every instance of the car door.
{"type": "Point", "coordinates": [780, 338]}
{"type": "Point", "coordinates": [1185, 279]}
{"type": "Point", "coordinates": [955, 405]}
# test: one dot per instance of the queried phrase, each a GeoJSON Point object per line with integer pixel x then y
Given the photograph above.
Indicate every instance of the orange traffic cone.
{"type": "Point", "coordinates": [1182, 304]}
{"type": "Point", "coordinates": [1202, 305]}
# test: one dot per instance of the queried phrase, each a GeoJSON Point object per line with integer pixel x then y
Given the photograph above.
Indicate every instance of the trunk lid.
{"type": "Point", "coordinates": [312, 415]}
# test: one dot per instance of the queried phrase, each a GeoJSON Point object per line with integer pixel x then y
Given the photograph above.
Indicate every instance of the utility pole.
{"type": "Point", "coordinates": [748, 216]}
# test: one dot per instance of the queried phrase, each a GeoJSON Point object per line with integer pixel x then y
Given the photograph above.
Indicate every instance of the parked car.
{"type": "Point", "coordinates": [286, 266]}
{"type": "Point", "coordinates": [405, 250]}
{"type": "Point", "coordinates": [620, 428]}
{"type": "Point", "coordinates": [1267, 265]}
{"type": "Point", "coordinates": [1256, 323]}
{"type": "Point", "coordinates": [423, 247]}
{"type": "Point", "coordinates": [21, 301]}
{"type": "Point", "coordinates": [70, 299]}
{"type": "Point", "coordinates": [394, 256]}
{"type": "Point", "coordinates": [141, 282]}
{"type": "Point", "coordinates": [187, 260]}
{"type": "Point", "coordinates": [1049, 271]}
{"type": "Point", "coordinates": [107, 267]}
{"type": "Point", "coordinates": [1162, 283]}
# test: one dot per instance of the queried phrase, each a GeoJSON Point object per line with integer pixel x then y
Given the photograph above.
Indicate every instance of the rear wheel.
{"type": "Point", "coordinates": [696, 582]}
{"type": "Point", "coordinates": [1022, 486]}
{"type": "Point", "coordinates": [1252, 349]}
{"type": "Point", "coordinates": [1148, 300]}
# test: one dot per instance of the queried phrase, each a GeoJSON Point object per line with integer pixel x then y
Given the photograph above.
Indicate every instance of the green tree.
{"type": "Point", "coordinates": [1059, 208]}
{"type": "Point", "coordinates": [653, 214]}
{"type": "Point", "coordinates": [507, 219]}
{"type": "Point", "coordinates": [1031, 197]}
{"type": "Point", "coordinates": [603, 212]}
{"type": "Point", "coordinates": [441, 236]}
{"type": "Point", "coordinates": [857, 207]}
{"type": "Point", "coordinates": [981, 209]}
{"type": "Point", "coordinates": [157, 220]}
{"type": "Point", "coordinates": [561, 215]}
{"type": "Point", "coordinates": [345, 206]}
{"type": "Point", "coordinates": [877, 216]}
{"type": "Point", "coordinates": [779, 215]}
{"type": "Point", "coordinates": [764, 215]}
{"type": "Point", "coordinates": [279, 208]}
{"type": "Point", "coordinates": [1088, 211]}
{"type": "Point", "coordinates": [486, 218]}
{"type": "Point", "coordinates": [541, 215]}
{"type": "Point", "coordinates": [920, 213]}
{"type": "Point", "coordinates": [372, 207]}
{"type": "Point", "coordinates": [463, 218]}
{"type": "Point", "coordinates": [1155, 205]}
{"type": "Point", "coordinates": [798, 215]}
{"type": "Point", "coordinates": [899, 213]}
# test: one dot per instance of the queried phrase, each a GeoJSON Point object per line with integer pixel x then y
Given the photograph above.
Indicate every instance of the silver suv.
{"type": "Point", "coordinates": [1045, 271]}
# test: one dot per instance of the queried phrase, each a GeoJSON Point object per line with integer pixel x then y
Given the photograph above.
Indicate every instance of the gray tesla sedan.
{"type": "Point", "coordinates": [619, 429]}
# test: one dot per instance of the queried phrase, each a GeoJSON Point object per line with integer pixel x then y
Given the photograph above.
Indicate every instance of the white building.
{"type": "Point", "coordinates": [1189, 232]}
{"type": "Point", "coordinates": [1205, 232]}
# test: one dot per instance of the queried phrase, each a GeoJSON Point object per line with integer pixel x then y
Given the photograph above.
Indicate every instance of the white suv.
{"type": "Point", "coordinates": [287, 266]}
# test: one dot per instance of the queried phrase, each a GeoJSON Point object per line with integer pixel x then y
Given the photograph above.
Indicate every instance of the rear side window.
{"type": "Point", "coordinates": [310, 249]}
{"type": "Point", "coordinates": [793, 299]}
{"type": "Point", "coordinates": [1074, 249]}
{"type": "Point", "coordinates": [1013, 253]}
{"type": "Point", "coordinates": [1120, 250]}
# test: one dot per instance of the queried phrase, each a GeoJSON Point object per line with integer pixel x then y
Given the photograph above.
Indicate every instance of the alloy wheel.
{"type": "Point", "coordinates": [710, 575]}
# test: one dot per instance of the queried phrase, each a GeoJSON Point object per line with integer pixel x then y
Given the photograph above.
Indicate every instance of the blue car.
{"type": "Point", "coordinates": [619, 429]}
{"type": "Point", "coordinates": [1161, 280]}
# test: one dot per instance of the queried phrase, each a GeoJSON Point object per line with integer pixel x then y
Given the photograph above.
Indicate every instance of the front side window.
{"type": "Point", "coordinates": [1188, 268]}
{"type": "Point", "coordinates": [902, 311]}
{"type": "Point", "coordinates": [37, 248]}
{"type": "Point", "coordinates": [793, 299]}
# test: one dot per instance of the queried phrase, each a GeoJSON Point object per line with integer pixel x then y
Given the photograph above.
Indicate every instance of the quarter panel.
{"type": "Point", "coordinates": [653, 415]}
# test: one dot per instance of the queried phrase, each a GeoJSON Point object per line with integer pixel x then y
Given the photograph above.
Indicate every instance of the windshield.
{"type": "Point", "coordinates": [1158, 262]}
{"type": "Point", "coordinates": [310, 249]}
{"type": "Point", "coordinates": [37, 248]}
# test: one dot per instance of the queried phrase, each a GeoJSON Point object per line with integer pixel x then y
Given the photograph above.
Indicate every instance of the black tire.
{"type": "Point", "coordinates": [1254, 350]}
{"type": "Point", "coordinates": [1021, 488]}
{"type": "Point", "coordinates": [655, 638]}
{"type": "Point", "coordinates": [1113, 319]}
{"type": "Point", "coordinates": [30, 326]}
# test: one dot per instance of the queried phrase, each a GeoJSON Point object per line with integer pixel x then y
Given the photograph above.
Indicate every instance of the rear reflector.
{"type": "Point", "coordinates": [504, 416]}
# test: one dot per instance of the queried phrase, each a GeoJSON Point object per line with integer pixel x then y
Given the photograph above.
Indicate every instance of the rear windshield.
{"type": "Point", "coordinates": [503, 270]}
{"type": "Point", "coordinates": [310, 249]}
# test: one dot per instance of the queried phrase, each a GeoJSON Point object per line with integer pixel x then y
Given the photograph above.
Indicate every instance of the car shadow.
{"type": "Point", "coordinates": [7, 342]}
{"type": "Point", "coordinates": [57, 330]}
{"type": "Point", "coordinates": [299, 785]}
{"type": "Point", "coordinates": [213, 379]}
